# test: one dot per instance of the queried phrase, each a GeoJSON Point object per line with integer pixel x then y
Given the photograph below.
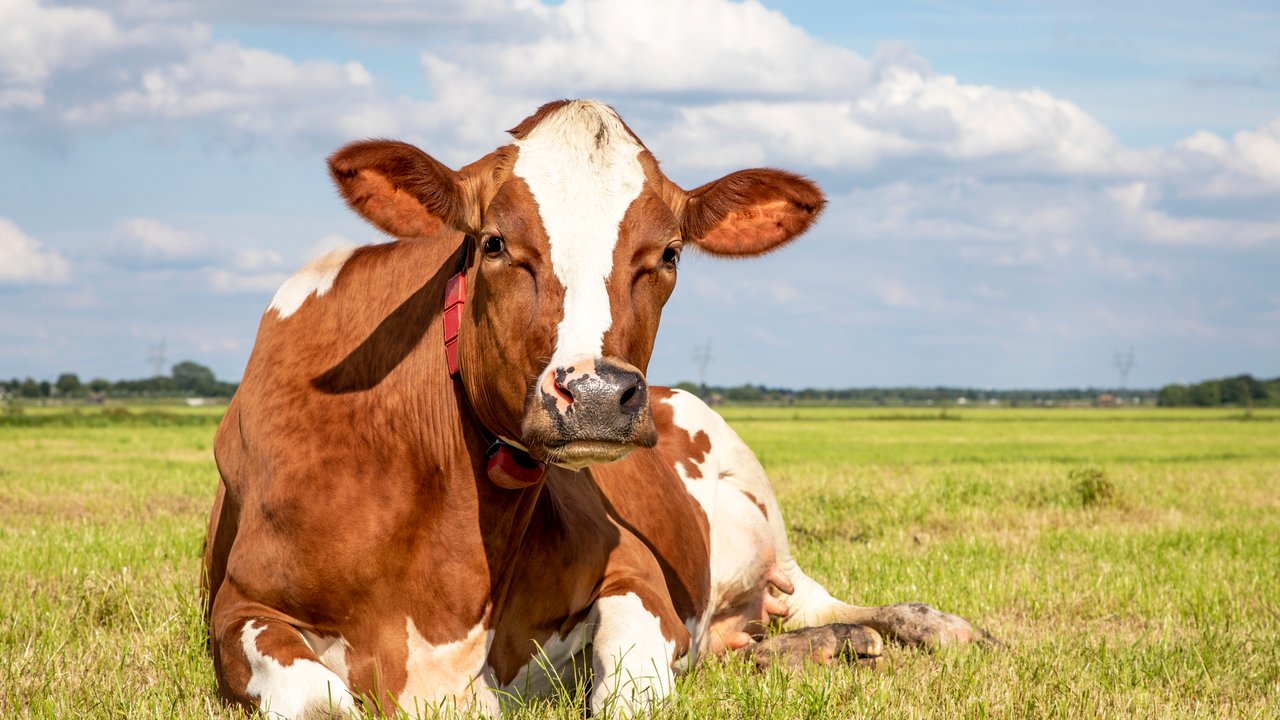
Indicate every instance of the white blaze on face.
{"type": "Point", "coordinates": [583, 169]}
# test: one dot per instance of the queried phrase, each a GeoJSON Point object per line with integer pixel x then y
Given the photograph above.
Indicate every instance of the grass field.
{"type": "Point", "coordinates": [1130, 559]}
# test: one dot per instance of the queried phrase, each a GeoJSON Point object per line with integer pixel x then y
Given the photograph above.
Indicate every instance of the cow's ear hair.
{"type": "Point", "coordinates": [750, 212]}
{"type": "Point", "coordinates": [400, 189]}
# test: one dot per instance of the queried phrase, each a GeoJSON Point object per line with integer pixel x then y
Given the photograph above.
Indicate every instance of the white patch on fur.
{"type": "Point", "coordinates": [316, 277]}
{"type": "Point", "coordinates": [553, 665]}
{"type": "Point", "coordinates": [695, 627]}
{"type": "Point", "coordinates": [583, 169]}
{"type": "Point", "coordinates": [742, 539]}
{"type": "Point", "coordinates": [450, 676]}
{"type": "Point", "coordinates": [289, 691]}
{"type": "Point", "coordinates": [332, 651]}
{"type": "Point", "coordinates": [631, 658]}
{"type": "Point", "coordinates": [731, 463]}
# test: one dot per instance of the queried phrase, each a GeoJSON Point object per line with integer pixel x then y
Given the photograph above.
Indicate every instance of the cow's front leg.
{"type": "Point", "coordinates": [639, 639]}
{"type": "Point", "coordinates": [632, 656]}
{"type": "Point", "coordinates": [267, 664]}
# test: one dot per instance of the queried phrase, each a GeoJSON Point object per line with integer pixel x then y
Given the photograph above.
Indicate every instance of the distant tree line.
{"type": "Point", "coordinates": [917, 396]}
{"type": "Point", "coordinates": [1241, 390]}
{"type": "Point", "coordinates": [188, 379]}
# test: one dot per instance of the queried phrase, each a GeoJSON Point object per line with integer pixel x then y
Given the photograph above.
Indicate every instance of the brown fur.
{"type": "Point", "coordinates": [397, 187]}
{"type": "Point", "coordinates": [751, 211]}
{"type": "Point", "coordinates": [684, 450]}
{"type": "Point", "coordinates": [353, 494]}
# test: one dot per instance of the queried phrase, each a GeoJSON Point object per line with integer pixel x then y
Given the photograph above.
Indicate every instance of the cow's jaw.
{"type": "Point", "coordinates": [582, 167]}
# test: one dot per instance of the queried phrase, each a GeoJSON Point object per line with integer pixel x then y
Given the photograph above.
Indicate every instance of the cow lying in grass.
{"type": "Point", "coordinates": [443, 476]}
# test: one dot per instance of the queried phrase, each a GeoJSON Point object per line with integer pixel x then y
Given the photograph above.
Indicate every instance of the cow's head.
{"type": "Point", "coordinates": [577, 238]}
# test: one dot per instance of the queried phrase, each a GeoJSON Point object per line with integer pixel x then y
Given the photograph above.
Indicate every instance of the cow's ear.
{"type": "Point", "coordinates": [400, 189]}
{"type": "Point", "coordinates": [750, 212]}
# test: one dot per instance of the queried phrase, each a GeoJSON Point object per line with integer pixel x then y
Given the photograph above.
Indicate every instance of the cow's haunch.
{"type": "Point", "coordinates": [361, 549]}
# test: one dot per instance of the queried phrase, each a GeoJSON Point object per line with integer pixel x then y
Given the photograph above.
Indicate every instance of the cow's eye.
{"type": "Point", "coordinates": [493, 245]}
{"type": "Point", "coordinates": [671, 256]}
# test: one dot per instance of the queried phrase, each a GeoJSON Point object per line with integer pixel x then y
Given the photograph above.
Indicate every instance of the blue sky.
{"type": "Point", "coordinates": [1018, 190]}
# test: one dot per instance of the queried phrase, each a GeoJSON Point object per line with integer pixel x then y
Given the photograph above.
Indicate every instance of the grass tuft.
{"type": "Point", "coordinates": [1093, 487]}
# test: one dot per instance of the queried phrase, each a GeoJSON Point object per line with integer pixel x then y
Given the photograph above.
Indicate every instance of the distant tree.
{"type": "Point", "coordinates": [745, 393]}
{"type": "Point", "coordinates": [1207, 393]}
{"type": "Point", "coordinates": [1242, 390]}
{"type": "Point", "coordinates": [99, 385]}
{"type": "Point", "coordinates": [46, 388]}
{"type": "Point", "coordinates": [194, 378]}
{"type": "Point", "coordinates": [690, 387]}
{"type": "Point", "coordinates": [1174, 396]}
{"type": "Point", "coordinates": [29, 388]}
{"type": "Point", "coordinates": [68, 385]}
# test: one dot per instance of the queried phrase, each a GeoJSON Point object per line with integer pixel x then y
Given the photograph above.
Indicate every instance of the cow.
{"type": "Point", "coordinates": [444, 480]}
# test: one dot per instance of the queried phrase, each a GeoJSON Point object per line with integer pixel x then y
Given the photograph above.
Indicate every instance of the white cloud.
{"type": "Point", "coordinates": [667, 46]}
{"type": "Point", "coordinates": [895, 293]}
{"type": "Point", "coordinates": [36, 42]}
{"type": "Point", "coordinates": [251, 271]}
{"type": "Point", "coordinates": [710, 84]}
{"type": "Point", "coordinates": [63, 69]}
{"type": "Point", "coordinates": [235, 282]}
{"type": "Point", "coordinates": [1207, 165]}
{"type": "Point", "coordinates": [739, 84]}
{"type": "Point", "coordinates": [1138, 203]}
{"type": "Point", "coordinates": [332, 241]}
{"type": "Point", "coordinates": [151, 242]}
{"type": "Point", "coordinates": [389, 14]}
{"type": "Point", "coordinates": [906, 114]}
{"type": "Point", "coordinates": [24, 260]}
{"type": "Point", "coordinates": [247, 93]}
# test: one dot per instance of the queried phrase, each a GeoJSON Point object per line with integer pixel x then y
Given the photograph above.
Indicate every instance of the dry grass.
{"type": "Point", "coordinates": [1161, 599]}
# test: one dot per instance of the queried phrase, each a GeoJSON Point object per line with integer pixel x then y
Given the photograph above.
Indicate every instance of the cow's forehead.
{"type": "Point", "coordinates": [583, 168]}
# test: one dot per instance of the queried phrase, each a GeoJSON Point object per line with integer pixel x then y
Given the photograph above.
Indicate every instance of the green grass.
{"type": "Point", "coordinates": [1130, 559]}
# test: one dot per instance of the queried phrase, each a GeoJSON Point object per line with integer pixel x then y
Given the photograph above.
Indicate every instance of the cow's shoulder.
{"type": "Point", "coordinates": [341, 297]}
{"type": "Point", "coordinates": [339, 394]}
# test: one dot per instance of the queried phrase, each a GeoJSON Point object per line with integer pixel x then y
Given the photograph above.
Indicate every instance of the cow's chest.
{"type": "Point", "coordinates": [545, 615]}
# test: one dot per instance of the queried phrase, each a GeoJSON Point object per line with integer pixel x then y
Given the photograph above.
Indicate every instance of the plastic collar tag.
{"type": "Point", "coordinates": [455, 298]}
{"type": "Point", "coordinates": [512, 468]}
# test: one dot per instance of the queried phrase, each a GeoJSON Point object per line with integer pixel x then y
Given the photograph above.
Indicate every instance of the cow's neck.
{"type": "Point", "coordinates": [505, 481]}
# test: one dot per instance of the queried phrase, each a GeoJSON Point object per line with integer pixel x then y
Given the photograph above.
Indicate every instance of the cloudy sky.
{"type": "Point", "coordinates": [1018, 190]}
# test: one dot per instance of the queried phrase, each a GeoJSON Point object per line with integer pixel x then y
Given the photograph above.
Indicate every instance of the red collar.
{"type": "Point", "coordinates": [512, 468]}
{"type": "Point", "coordinates": [508, 466]}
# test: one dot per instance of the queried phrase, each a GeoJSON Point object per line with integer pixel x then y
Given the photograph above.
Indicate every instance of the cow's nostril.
{"type": "Point", "coordinates": [632, 397]}
{"type": "Point", "coordinates": [562, 390]}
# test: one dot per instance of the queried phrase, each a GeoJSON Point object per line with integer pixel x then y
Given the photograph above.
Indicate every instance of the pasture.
{"type": "Point", "coordinates": [1129, 559]}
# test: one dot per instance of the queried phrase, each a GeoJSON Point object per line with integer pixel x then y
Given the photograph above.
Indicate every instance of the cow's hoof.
{"type": "Point", "coordinates": [825, 644]}
{"type": "Point", "coordinates": [920, 625]}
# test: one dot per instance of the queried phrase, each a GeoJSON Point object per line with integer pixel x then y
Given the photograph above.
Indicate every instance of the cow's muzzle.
{"type": "Point", "coordinates": [588, 411]}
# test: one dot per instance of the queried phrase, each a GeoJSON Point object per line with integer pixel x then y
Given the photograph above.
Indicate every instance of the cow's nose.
{"type": "Point", "coordinates": [589, 410]}
{"type": "Point", "coordinates": [602, 385]}
{"type": "Point", "coordinates": [607, 387]}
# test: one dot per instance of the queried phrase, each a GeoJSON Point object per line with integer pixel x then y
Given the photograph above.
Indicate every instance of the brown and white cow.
{"type": "Point", "coordinates": [385, 531]}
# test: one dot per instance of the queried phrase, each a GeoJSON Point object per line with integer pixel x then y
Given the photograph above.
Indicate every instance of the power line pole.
{"type": "Point", "coordinates": [702, 358]}
{"type": "Point", "coordinates": [156, 355]}
{"type": "Point", "coordinates": [1124, 365]}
